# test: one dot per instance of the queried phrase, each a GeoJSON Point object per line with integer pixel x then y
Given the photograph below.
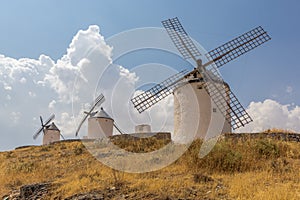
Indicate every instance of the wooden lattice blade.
{"type": "Point", "coordinates": [227, 104]}
{"type": "Point", "coordinates": [238, 46]}
{"type": "Point", "coordinates": [98, 101]}
{"type": "Point", "coordinates": [181, 39]}
{"type": "Point", "coordinates": [158, 92]}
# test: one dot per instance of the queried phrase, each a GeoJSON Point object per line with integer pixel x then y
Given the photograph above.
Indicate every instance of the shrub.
{"type": "Point", "coordinates": [45, 148]}
{"type": "Point", "coordinates": [20, 166]}
{"type": "Point", "coordinates": [267, 149]}
{"type": "Point", "coordinates": [79, 149]}
{"type": "Point", "coordinates": [224, 159]}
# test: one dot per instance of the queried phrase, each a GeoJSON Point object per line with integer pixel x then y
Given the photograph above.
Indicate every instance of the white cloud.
{"type": "Point", "coordinates": [289, 89]}
{"type": "Point", "coordinates": [7, 87]}
{"type": "Point", "coordinates": [84, 43]}
{"type": "Point", "coordinates": [125, 73]}
{"type": "Point", "coordinates": [31, 94]}
{"type": "Point", "coordinates": [51, 105]}
{"type": "Point", "coordinates": [271, 114]}
{"type": "Point", "coordinates": [15, 117]}
{"type": "Point", "coordinates": [76, 70]}
{"type": "Point", "coordinates": [23, 80]}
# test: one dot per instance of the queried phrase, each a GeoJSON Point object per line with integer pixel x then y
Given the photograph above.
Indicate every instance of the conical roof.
{"type": "Point", "coordinates": [102, 114]}
{"type": "Point", "coordinates": [52, 126]}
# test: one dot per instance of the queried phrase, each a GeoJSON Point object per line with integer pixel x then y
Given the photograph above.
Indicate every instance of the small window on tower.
{"type": "Point", "coordinates": [199, 87]}
{"type": "Point", "coordinates": [214, 110]}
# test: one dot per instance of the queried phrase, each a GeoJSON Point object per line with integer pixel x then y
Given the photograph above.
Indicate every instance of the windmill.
{"type": "Point", "coordinates": [51, 132]}
{"type": "Point", "coordinates": [207, 74]}
{"type": "Point", "coordinates": [99, 122]}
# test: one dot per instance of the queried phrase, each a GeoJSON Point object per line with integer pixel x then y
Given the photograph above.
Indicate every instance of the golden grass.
{"type": "Point", "coordinates": [252, 169]}
{"type": "Point", "coordinates": [264, 185]}
{"type": "Point", "coordinates": [278, 130]}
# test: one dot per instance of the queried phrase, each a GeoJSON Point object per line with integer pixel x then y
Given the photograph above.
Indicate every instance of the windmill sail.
{"type": "Point", "coordinates": [181, 39]}
{"type": "Point", "coordinates": [158, 92]}
{"type": "Point", "coordinates": [118, 129]}
{"type": "Point", "coordinates": [49, 119]}
{"type": "Point", "coordinates": [37, 133]}
{"type": "Point", "coordinates": [99, 100]}
{"type": "Point", "coordinates": [238, 46]}
{"type": "Point", "coordinates": [227, 104]}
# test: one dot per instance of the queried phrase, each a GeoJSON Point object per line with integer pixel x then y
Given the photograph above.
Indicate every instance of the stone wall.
{"type": "Point", "coordinates": [280, 136]}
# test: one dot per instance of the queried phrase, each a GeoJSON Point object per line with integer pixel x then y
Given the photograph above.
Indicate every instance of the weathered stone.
{"type": "Point", "coordinates": [34, 191]}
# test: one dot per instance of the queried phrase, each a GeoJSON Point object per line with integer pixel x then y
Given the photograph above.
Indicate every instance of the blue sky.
{"type": "Point", "coordinates": [32, 27]}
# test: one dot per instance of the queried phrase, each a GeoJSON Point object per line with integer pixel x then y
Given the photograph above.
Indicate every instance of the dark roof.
{"type": "Point", "coordinates": [52, 126]}
{"type": "Point", "coordinates": [101, 114]}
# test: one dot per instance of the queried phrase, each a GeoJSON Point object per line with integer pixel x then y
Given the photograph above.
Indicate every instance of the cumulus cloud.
{"type": "Point", "coordinates": [271, 114]}
{"type": "Point", "coordinates": [63, 87]}
{"type": "Point", "coordinates": [81, 63]}
{"type": "Point", "coordinates": [125, 73]}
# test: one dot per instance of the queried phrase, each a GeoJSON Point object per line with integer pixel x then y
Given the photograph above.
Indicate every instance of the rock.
{"type": "Point", "coordinates": [112, 188]}
{"type": "Point", "coordinates": [13, 195]}
{"type": "Point", "coordinates": [34, 191]}
{"type": "Point", "coordinates": [87, 196]}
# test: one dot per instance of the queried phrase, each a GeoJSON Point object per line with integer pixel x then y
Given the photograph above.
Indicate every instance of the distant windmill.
{"type": "Point", "coordinates": [51, 132]}
{"type": "Point", "coordinates": [205, 78]}
{"type": "Point", "coordinates": [99, 122]}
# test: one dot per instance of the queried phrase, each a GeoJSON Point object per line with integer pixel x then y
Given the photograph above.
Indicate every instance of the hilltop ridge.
{"type": "Point", "coordinates": [252, 168]}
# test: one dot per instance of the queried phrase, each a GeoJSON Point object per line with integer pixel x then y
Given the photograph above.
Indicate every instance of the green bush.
{"type": "Point", "coordinates": [79, 149]}
{"type": "Point", "coordinates": [224, 159]}
{"type": "Point", "coordinates": [267, 149]}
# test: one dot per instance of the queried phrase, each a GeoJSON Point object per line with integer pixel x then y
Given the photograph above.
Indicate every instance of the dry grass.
{"type": "Point", "coordinates": [278, 130]}
{"type": "Point", "coordinates": [254, 169]}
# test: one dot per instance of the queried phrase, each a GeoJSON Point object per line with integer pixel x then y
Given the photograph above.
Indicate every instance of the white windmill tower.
{"type": "Point", "coordinates": [51, 132]}
{"type": "Point", "coordinates": [213, 95]}
{"type": "Point", "coordinates": [100, 124]}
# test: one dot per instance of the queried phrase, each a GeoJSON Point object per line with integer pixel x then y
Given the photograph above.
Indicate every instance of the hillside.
{"type": "Point", "coordinates": [253, 168]}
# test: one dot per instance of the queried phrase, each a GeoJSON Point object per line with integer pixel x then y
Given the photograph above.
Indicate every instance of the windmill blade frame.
{"type": "Point", "coordinates": [41, 120]}
{"type": "Point", "coordinates": [49, 120]}
{"type": "Point", "coordinates": [37, 133]}
{"type": "Point", "coordinates": [81, 123]}
{"type": "Point", "coordinates": [98, 101]}
{"type": "Point", "coordinates": [62, 136]}
{"type": "Point", "coordinates": [238, 46]}
{"type": "Point", "coordinates": [227, 103]}
{"type": "Point", "coordinates": [118, 129]}
{"type": "Point", "coordinates": [99, 98]}
{"type": "Point", "coordinates": [180, 38]}
{"type": "Point", "coordinates": [158, 92]}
